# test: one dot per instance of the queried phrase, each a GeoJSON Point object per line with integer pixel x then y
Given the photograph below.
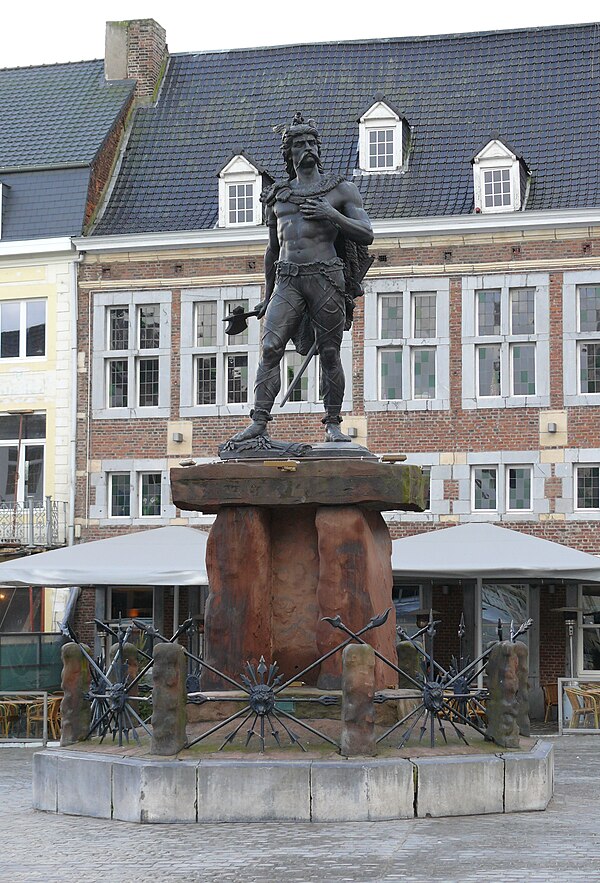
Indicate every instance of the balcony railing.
{"type": "Point", "coordinates": [33, 523]}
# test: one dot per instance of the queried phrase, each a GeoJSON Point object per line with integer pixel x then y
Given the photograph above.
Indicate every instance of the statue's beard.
{"type": "Point", "coordinates": [311, 155]}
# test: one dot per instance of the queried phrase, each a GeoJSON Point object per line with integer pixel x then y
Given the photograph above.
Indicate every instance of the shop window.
{"type": "Point", "coordinates": [507, 602]}
{"type": "Point", "coordinates": [589, 629]}
{"type": "Point", "coordinates": [130, 603]}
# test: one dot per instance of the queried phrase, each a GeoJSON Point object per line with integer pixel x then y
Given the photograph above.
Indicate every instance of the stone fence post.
{"type": "Point", "coordinates": [169, 698]}
{"type": "Point", "coordinates": [358, 712]}
{"type": "Point", "coordinates": [75, 681]}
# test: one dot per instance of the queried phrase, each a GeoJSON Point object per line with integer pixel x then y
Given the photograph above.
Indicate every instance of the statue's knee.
{"type": "Point", "coordinates": [272, 353]}
{"type": "Point", "coordinates": [330, 358]}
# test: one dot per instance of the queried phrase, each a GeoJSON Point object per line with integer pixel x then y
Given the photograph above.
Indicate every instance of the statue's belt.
{"type": "Point", "coordinates": [287, 268]}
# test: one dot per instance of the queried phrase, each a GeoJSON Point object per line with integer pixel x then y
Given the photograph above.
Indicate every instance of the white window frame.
{"type": "Point", "coordinates": [100, 482]}
{"type": "Point", "coordinates": [379, 117]}
{"type": "Point", "coordinates": [502, 488]}
{"type": "Point", "coordinates": [21, 476]}
{"type": "Point", "coordinates": [471, 285]}
{"type": "Point", "coordinates": [502, 461]}
{"type": "Point", "coordinates": [102, 355]}
{"type": "Point", "coordinates": [583, 510]}
{"type": "Point", "coordinates": [573, 337]}
{"type": "Point", "coordinates": [239, 171]}
{"type": "Point", "coordinates": [496, 156]}
{"type": "Point", "coordinates": [224, 346]}
{"type": "Point", "coordinates": [22, 357]}
{"type": "Point", "coordinates": [374, 344]}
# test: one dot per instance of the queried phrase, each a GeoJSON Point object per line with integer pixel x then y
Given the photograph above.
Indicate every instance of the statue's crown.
{"type": "Point", "coordinates": [297, 121]}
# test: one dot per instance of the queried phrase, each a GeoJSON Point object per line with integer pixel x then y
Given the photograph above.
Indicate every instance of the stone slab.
{"type": "Point", "coordinates": [367, 483]}
{"type": "Point", "coordinates": [45, 781]}
{"type": "Point", "coordinates": [458, 786]}
{"type": "Point", "coordinates": [529, 779]}
{"type": "Point", "coordinates": [361, 791]}
{"type": "Point", "coordinates": [84, 785]}
{"type": "Point", "coordinates": [253, 791]}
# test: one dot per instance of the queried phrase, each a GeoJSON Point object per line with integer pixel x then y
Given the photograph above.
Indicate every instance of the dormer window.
{"type": "Point", "coordinates": [240, 185]}
{"type": "Point", "coordinates": [382, 138]}
{"type": "Point", "coordinates": [500, 178]}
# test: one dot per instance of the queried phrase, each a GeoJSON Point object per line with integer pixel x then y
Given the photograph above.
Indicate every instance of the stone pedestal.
{"type": "Point", "coordinates": [295, 541]}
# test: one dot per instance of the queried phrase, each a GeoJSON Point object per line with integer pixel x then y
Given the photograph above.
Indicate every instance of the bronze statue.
{"type": "Point", "coordinates": [315, 260]}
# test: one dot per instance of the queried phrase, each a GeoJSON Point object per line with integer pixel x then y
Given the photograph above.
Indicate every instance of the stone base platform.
{"type": "Point", "coordinates": [307, 789]}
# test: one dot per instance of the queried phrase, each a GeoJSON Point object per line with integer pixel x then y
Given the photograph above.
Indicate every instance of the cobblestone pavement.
{"type": "Point", "coordinates": [561, 844]}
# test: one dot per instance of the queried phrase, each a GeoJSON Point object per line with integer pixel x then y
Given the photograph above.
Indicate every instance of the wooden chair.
{"type": "Point", "coordinates": [35, 715]}
{"type": "Point", "coordinates": [54, 719]}
{"type": "Point", "coordinates": [550, 699]}
{"type": "Point", "coordinates": [9, 714]}
{"type": "Point", "coordinates": [583, 705]}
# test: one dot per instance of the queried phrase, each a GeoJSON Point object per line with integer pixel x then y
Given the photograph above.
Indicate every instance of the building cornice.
{"type": "Point", "coordinates": [59, 247]}
{"type": "Point", "coordinates": [395, 227]}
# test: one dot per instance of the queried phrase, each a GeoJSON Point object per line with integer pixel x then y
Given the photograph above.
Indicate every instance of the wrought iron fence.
{"type": "Point", "coordinates": [33, 523]}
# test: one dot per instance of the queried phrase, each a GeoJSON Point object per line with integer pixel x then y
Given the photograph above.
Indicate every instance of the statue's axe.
{"type": "Point", "coordinates": [236, 320]}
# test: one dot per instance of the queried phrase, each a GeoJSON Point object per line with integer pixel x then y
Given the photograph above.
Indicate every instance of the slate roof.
{"type": "Point", "coordinates": [53, 118]}
{"type": "Point", "coordinates": [539, 87]}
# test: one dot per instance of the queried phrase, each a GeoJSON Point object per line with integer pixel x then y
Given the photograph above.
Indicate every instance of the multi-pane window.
{"type": "Point", "coordinates": [588, 297]}
{"type": "Point", "coordinates": [240, 207]}
{"type": "Point", "coordinates": [518, 493]}
{"type": "Point", "coordinates": [217, 368]}
{"type": "Point", "coordinates": [131, 343]}
{"type": "Point", "coordinates": [381, 148]}
{"type": "Point", "coordinates": [22, 447]}
{"type": "Point", "coordinates": [237, 378]}
{"type": "Point", "coordinates": [22, 329]}
{"type": "Point", "coordinates": [134, 495]}
{"type": "Point", "coordinates": [496, 188]}
{"type": "Point", "coordinates": [407, 344]}
{"type": "Point", "coordinates": [150, 493]}
{"type": "Point", "coordinates": [119, 495]}
{"type": "Point", "coordinates": [587, 487]}
{"type": "Point", "coordinates": [484, 488]}
{"type": "Point", "coordinates": [488, 494]}
{"type": "Point", "coordinates": [291, 363]}
{"type": "Point", "coordinates": [407, 370]}
{"type": "Point", "coordinates": [505, 359]}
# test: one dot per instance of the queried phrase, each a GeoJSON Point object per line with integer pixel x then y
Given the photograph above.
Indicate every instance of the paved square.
{"type": "Point", "coordinates": [561, 844]}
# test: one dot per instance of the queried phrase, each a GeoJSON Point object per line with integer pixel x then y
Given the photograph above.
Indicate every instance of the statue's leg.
{"type": "Point", "coordinates": [282, 318]}
{"type": "Point", "coordinates": [328, 315]}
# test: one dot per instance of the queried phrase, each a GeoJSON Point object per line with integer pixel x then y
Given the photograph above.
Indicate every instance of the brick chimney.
{"type": "Point", "coordinates": [136, 50]}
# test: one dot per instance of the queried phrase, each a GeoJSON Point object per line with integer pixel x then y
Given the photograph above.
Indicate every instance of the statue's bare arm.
{"type": "Point", "coordinates": [351, 218]}
{"type": "Point", "coordinates": [271, 257]}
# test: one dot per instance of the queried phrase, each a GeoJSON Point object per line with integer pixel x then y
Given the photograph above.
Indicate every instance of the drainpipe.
{"type": "Point", "coordinates": [74, 376]}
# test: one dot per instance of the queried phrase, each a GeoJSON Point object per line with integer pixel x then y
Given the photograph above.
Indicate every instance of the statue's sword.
{"type": "Point", "coordinates": [299, 373]}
